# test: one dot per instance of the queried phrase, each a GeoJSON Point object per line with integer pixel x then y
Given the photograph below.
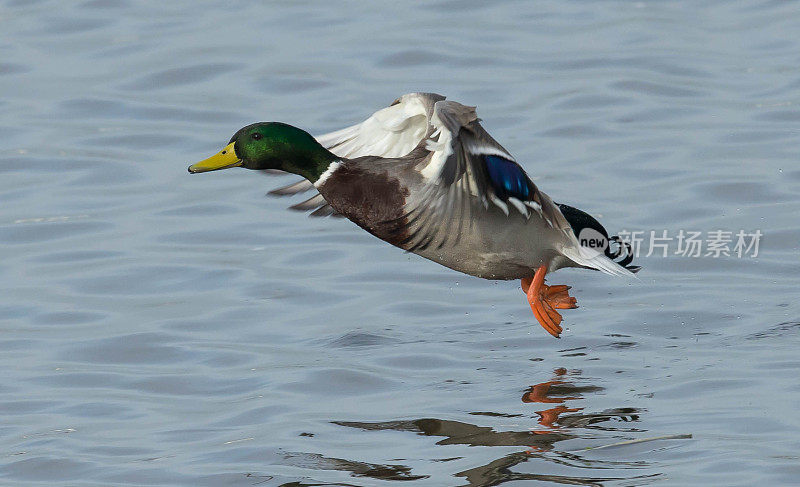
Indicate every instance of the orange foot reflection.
{"type": "Point", "coordinates": [540, 393]}
{"type": "Point", "coordinates": [550, 416]}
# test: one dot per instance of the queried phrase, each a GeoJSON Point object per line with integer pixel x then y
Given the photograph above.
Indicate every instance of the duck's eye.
{"type": "Point", "coordinates": [256, 136]}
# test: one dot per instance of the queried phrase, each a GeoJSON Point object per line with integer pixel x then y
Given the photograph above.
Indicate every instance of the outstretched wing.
{"type": "Point", "coordinates": [391, 132]}
{"type": "Point", "coordinates": [465, 172]}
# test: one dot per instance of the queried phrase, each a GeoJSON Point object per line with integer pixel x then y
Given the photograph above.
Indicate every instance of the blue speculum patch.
{"type": "Point", "coordinates": [507, 177]}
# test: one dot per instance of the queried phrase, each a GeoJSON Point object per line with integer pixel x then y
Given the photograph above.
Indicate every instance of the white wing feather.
{"type": "Point", "coordinates": [393, 131]}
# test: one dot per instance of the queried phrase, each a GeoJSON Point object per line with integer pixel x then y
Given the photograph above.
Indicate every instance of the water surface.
{"type": "Point", "coordinates": [159, 329]}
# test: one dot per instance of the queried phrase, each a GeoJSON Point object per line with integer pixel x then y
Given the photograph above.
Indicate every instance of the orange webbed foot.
{"type": "Point", "coordinates": [545, 300]}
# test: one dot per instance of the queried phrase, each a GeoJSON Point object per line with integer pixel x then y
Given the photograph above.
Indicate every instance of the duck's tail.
{"type": "Point", "coordinates": [623, 252]}
{"type": "Point", "coordinates": [617, 255]}
{"type": "Point", "coordinates": [598, 261]}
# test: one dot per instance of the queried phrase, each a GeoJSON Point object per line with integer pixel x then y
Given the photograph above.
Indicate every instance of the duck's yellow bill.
{"type": "Point", "coordinates": [221, 160]}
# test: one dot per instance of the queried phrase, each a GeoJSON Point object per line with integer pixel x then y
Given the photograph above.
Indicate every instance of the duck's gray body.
{"type": "Point", "coordinates": [491, 246]}
{"type": "Point", "coordinates": [423, 175]}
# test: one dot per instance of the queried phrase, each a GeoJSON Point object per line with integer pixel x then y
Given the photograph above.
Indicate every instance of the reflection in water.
{"type": "Point", "coordinates": [558, 391]}
{"type": "Point", "coordinates": [314, 484]}
{"type": "Point", "coordinates": [358, 469]}
{"type": "Point", "coordinates": [498, 472]}
{"type": "Point", "coordinates": [562, 421]}
{"type": "Point", "coordinates": [458, 433]}
{"type": "Point", "coordinates": [537, 445]}
{"type": "Point", "coordinates": [543, 392]}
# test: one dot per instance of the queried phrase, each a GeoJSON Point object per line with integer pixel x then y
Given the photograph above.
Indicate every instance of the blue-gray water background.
{"type": "Point", "coordinates": [163, 329]}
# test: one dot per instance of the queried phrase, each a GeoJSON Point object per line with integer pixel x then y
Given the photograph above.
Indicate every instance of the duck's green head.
{"type": "Point", "coordinates": [271, 145]}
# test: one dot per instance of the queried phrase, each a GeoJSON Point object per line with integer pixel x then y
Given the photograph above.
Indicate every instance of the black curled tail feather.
{"type": "Point", "coordinates": [580, 220]}
{"type": "Point", "coordinates": [623, 252]}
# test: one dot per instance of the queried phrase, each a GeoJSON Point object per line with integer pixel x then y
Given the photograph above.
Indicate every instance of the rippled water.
{"type": "Point", "coordinates": [165, 329]}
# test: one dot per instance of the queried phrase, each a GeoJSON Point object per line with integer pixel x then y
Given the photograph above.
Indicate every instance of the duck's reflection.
{"type": "Point", "coordinates": [316, 461]}
{"type": "Point", "coordinates": [563, 421]}
{"type": "Point", "coordinates": [458, 433]}
{"type": "Point", "coordinates": [560, 391]}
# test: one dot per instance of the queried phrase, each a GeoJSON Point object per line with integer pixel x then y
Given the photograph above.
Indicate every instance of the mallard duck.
{"type": "Point", "coordinates": [424, 175]}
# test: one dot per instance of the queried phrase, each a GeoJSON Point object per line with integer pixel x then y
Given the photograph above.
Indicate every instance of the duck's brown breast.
{"type": "Point", "coordinates": [372, 201]}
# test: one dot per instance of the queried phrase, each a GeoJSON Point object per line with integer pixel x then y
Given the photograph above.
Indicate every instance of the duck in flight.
{"type": "Point", "coordinates": [424, 175]}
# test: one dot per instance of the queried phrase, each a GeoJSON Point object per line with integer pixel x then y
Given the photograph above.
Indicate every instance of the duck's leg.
{"type": "Point", "coordinates": [545, 300]}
